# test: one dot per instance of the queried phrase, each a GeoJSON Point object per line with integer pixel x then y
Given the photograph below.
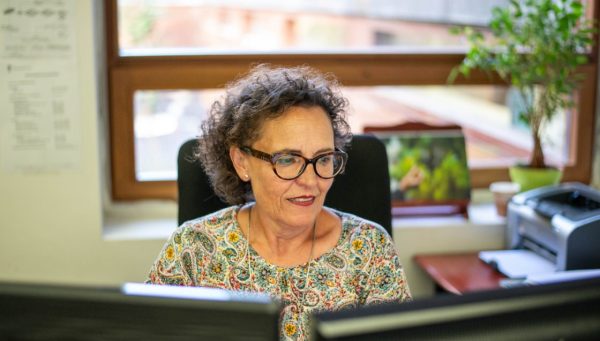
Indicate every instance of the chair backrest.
{"type": "Point", "coordinates": [363, 189]}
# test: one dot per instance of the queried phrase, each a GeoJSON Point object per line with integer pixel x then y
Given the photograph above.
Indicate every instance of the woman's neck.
{"type": "Point", "coordinates": [286, 250]}
{"type": "Point", "coordinates": [281, 245]}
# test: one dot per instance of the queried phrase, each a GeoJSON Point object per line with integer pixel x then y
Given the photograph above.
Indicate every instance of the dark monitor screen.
{"type": "Point", "coordinates": [134, 312]}
{"type": "Point", "coordinates": [560, 311]}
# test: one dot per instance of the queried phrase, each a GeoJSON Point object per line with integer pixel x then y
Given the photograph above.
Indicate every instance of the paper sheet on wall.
{"type": "Point", "coordinates": [39, 98]}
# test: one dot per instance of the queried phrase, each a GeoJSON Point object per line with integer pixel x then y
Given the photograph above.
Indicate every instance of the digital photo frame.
{"type": "Point", "coordinates": [428, 168]}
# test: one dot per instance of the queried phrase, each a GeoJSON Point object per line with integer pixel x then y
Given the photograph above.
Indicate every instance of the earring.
{"type": "Point", "coordinates": [247, 177]}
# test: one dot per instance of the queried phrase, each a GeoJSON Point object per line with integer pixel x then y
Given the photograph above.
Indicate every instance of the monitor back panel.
{"type": "Point", "coordinates": [60, 313]}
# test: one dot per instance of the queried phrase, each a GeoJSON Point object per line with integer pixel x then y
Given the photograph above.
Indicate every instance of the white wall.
{"type": "Point", "coordinates": [51, 223]}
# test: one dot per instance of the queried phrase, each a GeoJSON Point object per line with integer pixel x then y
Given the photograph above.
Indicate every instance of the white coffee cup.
{"type": "Point", "coordinates": [503, 191]}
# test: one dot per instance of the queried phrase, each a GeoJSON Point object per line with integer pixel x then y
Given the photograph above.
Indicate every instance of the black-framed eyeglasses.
{"type": "Point", "coordinates": [289, 166]}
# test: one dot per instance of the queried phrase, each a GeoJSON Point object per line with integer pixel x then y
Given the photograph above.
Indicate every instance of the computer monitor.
{"type": "Point", "coordinates": [560, 311]}
{"type": "Point", "coordinates": [134, 312]}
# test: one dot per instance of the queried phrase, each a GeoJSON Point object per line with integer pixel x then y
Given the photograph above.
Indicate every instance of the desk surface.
{"type": "Point", "coordinates": [460, 272]}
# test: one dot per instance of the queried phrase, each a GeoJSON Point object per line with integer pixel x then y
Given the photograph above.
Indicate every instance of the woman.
{"type": "Point", "coordinates": [271, 148]}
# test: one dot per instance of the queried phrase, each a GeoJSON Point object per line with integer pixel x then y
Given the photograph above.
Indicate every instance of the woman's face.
{"type": "Point", "coordinates": [303, 130]}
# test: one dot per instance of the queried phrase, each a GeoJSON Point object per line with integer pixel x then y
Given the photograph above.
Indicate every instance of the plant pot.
{"type": "Point", "coordinates": [530, 178]}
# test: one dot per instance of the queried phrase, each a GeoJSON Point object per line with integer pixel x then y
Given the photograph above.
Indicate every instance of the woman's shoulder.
{"type": "Point", "coordinates": [215, 223]}
{"type": "Point", "coordinates": [363, 239]}
{"type": "Point", "coordinates": [355, 226]}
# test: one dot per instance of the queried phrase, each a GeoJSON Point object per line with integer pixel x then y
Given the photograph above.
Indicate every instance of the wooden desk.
{"type": "Point", "coordinates": [459, 272]}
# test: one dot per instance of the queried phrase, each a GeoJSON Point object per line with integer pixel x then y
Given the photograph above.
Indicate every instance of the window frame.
{"type": "Point", "coordinates": [129, 74]}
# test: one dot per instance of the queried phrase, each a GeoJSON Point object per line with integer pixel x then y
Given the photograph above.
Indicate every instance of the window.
{"type": "Point", "coordinates": [166, 66]}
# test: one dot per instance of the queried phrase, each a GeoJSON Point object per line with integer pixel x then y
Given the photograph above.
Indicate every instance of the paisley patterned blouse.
{"type": "Point", "coordinates": [363, 268]}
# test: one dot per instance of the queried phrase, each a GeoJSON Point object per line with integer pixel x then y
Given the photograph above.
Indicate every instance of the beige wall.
{"type": "Point", "coordinates": [51, 224]}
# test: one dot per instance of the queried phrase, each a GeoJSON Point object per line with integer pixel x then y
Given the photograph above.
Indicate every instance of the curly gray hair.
{"type": "Point", "coordinates": [264, 93]}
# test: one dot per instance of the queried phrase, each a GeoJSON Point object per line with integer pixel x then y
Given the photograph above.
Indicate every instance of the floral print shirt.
{"type": "Point", "coordinates": [363, 268]}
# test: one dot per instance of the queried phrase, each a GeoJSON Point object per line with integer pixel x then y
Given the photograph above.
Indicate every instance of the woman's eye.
{"type": "Point", "coordinates": [325, 160]}
{"type": "Point", "coordinates": [286, 160]}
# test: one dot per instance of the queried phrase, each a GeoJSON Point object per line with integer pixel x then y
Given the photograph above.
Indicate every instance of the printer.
{"type": "Point", "coordinates": [560, 223]}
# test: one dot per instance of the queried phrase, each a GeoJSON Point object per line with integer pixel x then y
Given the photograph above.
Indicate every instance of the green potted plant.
{"type": "Point", "coordinates": [536, 46]}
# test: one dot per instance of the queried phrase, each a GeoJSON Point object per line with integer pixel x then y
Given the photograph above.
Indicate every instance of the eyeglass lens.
{"type": "Point", "coordinates": [289, 166]}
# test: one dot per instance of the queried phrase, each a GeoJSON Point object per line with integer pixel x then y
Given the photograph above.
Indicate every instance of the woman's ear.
{"type": "Point", "coordinates": [240, 162]}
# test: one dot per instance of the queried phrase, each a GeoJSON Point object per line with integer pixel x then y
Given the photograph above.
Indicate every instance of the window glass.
{"type": "Point", "coordinates": [488, 114]}
{"type": "Point", "coordinates": [163, 121]}
{"type": "Point", "coordinates": [155, 27]}
{"type": "Point", "coordinates": [494, 135]}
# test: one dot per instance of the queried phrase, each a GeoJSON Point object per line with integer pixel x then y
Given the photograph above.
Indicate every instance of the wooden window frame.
{"type": "Point", "coordinates": [129, 74]}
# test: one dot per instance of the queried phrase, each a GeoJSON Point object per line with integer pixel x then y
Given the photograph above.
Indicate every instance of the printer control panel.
{"type": "Point", "coordinates": [573, 205]}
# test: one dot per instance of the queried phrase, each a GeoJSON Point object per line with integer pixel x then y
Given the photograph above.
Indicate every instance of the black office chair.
{"type": "Point", "coordinates": [363, 189]}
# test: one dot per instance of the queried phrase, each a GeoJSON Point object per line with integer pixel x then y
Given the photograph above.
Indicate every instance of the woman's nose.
{"type": "Point", "coordinates": [309, 176]}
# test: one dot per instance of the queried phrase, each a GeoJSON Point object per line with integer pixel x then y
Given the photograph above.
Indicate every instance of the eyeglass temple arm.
{"type": "Point", "coordinates": [258, 154]}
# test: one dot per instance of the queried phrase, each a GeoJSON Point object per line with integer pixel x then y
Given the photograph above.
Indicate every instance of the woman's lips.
{"type": "Point", "coordinates": [305, 200]}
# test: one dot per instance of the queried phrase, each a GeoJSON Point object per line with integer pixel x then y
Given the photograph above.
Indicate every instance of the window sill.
{"type": "Point", "coordinates": [482, 214]}
{"type": "Point", "coordinates": [156, 220]}
{"type": "Point", "coordinates": [145, 220]}
{"type": "Point", "coordinates": [138, 229]}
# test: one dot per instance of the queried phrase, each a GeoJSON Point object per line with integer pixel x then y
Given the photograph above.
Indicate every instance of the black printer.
{"type": "Point", "coordinates": [560, 223]}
